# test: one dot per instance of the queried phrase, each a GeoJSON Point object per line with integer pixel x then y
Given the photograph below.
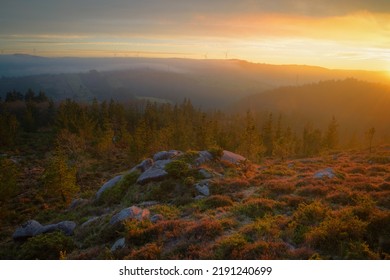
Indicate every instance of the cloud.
{"type": "Point", "coordinates": [83, 16]}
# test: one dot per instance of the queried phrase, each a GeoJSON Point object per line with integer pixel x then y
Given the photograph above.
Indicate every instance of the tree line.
{"type": "Point", "coordinates": [142, 128]}
{"type": "Point", "coordinates": [103, 129]}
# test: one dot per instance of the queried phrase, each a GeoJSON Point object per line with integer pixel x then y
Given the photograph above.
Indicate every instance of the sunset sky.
{"type": "Point", "coordinates": [349, 34]}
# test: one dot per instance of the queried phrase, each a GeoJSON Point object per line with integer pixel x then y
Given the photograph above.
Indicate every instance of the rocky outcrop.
{"type": "Point", "coordinates": [29, 229]}
{"type": "Point", "coordinates": [108, 185]}
{"type": "Point", "coordinates": [232, 157]}
{"type": "Point", "coordinates": [327, 172]}
{"type": "Point", "coordinates": [203, 187]}
{"type": "Point", "coordinates": [33, 228]}
{"type": "Point", "coordinates": [67, 227]}
{"type": "Point", "coordinates": [132, 212]}
{"type": "Point", "coordinates": [152, 174]}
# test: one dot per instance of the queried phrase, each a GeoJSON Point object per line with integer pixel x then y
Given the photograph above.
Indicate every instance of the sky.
{"type": "Point", "coordinates": [337, 34]}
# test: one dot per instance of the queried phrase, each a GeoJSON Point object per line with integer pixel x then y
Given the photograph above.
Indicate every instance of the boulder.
{"type": "Point", "coordinates": [89, 221]}
{"type": "Point", "coordinates": [77, 203]}
{"type": "Point", "coordinates": [108, 185]}
{"type": "Point", "coordinates": [132, 212]}
{"type": "Point", "coordinates": [119, 244]}
{"type": "Point", "coordinates": [67, 227]}
{"type": "Point", "coordinates": [204, 156]}
{"type": "Point", "coordinates": [33, 228]}
{"type": "Point", "coordinates": [161, 163]}
{"type": "Point", "coordinates": [166, 155]}
{"type": "Point", "coordinates": [205, 174]}
{"type": "Point", "coordinates": [327, 172]}
{"type": "Point", "coordinates": [203, 187]}
{"type": "Point", "coordinates": [154, 173]}
{"type": "Point", "coordinates": [143, 166]}
{"type": "Point", "coordinates": [232, 157]}
{"type": "Point", "coordinates": [161, 155]}
{"type": "Point", "coordinates": [29, 229]}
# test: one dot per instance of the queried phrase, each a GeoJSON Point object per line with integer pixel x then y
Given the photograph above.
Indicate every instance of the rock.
{"type": "Point", "coordinates": [119, 244]}
{"type": "Point", "coordinates": [161, 155]}
{"type": "Point", "coordinates": [166, 155]}
{"type": "Point", "coordinates": [33, 228]}
{"type": "Point", "coordinates": [205, 174]}
{"type": "Point", "coordinates": [161, 163]}
{"type": "Point", "coordinates": [132, 212]}
{"type": "Point", "coordinates": [198, 197]}
{"type": "Point", "coordinates": [108, 185]}
{"type": "Point", "coordinates": [232, 157]}
{"type": "Point", "coordinates": [77, 202]}
{"type": "Point", "coordinates": [327, 172]}
{"type": "Point", "coordinates": [89, 221]}
{"type": "Point", "coordinates": [155, 218]}
{"type": "Point", "coordinates": [203, 188]}
{"type": "Point", "coordinates": [204, 156]}
{"type": "Point", "coordinates": [67, 227]}
{"type": "Point", "coordinates": [144, 165]}
{"type": "Point", "coordinates": [152, 174]}
{"type": "Point", "coordinates": [29, 229]}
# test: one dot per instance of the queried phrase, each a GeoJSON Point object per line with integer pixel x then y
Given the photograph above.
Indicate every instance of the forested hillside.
{"type": "Point", "coordinates": [72, 169]}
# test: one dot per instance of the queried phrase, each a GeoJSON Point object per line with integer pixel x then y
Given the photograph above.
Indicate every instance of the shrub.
{"type": "Point", "coordinates": [137, 232]}
{"type": "Point", "coordinates": [262, 250]}
{"type": "Point", "coordinates": [205, 229]}
{"type": "Point", "coordinates": [150, 251]}
{"type": "Point", "coordinates": [256, 207]}
{"type": "Point", "coordinates": [47, 246]}
{"type": "Point", "coordinates": [216, 201]}
{"type": "Point", "coordinates": [278, 170]}
{"type": "Point", "coordinates": [228, 185]}
{"type": "Point", "coordinates": [336, 233]}
{"type": "Point", "coordinates": [216, 152]}
{"type": "Point", "coordinates": [267, 229]}
{"type": "Point", "coordinates": [115, 194]}
{"type": "Point", "coordinates": [276, 188]}
{"type": "Point", "coordinates": [169, 212]}
{"type": "Point", "coordinates": [8, 177]}
{"type": "Point", "coordinates": [229, 247]}
{"type": "Point", "coordinates": [306, 217]}
{"type": "Point", "coordinates": [178, 169]}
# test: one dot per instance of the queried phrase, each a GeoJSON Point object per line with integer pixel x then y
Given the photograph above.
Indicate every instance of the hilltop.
{"type": "Point", "coordinates": [218, 205]}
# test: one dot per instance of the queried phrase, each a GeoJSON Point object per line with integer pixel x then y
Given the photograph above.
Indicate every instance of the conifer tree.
{"type": "Point", "coordinates": [268, 136]}
{"type": "Point", "coordinates": [332, 135]}
{"type": "Point", "coordinates": [59, 179]}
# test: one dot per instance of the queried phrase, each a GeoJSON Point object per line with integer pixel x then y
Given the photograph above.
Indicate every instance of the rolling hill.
{"type": "Point", "coordinates": [208, 83]}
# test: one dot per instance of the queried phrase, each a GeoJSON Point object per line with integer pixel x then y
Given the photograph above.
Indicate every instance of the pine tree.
{"type": "Point", "coordinates": [370, 136]}
{"type": "Point", "coordinates": [332, 135]}
{"type": "Point", "coordinates": [59, 179]}
{"type": "Point", "coordinates": [268, 136]}
{"type": "Point", "coordinates": [250, 144]}
{"type": "Point", "coordinates": [8, 179]}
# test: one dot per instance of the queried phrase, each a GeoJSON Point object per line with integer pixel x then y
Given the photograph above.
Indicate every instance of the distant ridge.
{"type": "Point", "coordinates": [208, 83]}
